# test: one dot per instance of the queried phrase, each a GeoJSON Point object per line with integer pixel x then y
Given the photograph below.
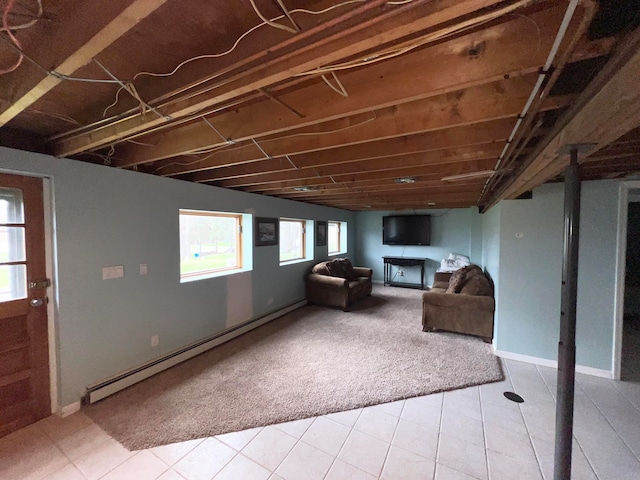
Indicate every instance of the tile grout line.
{"type": "Point", "coordinates": [435, 463]}
{"type": "Point", "coordinates": [335, 457]}
{"type": "Point", "coordinates": [297, 441]}
{"type": "Point", "coordinates": [181, 457]}
{"type": "Point", "coordinates": [395, 431]}
{"type": "Point", "coordinates": [484, 434]}
{"type": "Point", "coordinates": [573, 435]}
{"type": "Point", "coordinates": [615, 384]}
{"type": "Point", "coordinates": [610, 424]}
{"type": "Point", "coordinates": [526, 426]}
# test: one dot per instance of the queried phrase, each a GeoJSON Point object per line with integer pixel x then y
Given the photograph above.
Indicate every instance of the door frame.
{"type": "Point", "coordinates": [623, 212]}
{"type": "Point", "coordinates": [52, 291]}
{"type": "Point", "coordinates": [51, 272]}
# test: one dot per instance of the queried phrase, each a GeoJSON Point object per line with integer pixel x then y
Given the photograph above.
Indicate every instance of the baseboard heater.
{"type": "Point", "coordinates": [108, 387]}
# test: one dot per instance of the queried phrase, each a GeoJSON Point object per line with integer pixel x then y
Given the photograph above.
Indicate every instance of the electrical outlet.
{"type": "Point", "coordinates": [155, 340]}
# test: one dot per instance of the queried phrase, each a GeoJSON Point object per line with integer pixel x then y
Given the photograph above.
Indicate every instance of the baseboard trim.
{"type": "Point", "coordinates": [544, 362]}
{"type": "Point", "coordinates": [70, 409]}
{"type": "Point", "coordinates": [126, 379]}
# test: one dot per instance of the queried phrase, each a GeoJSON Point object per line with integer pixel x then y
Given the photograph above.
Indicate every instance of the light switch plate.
{"type": "Point", "coordinates": [143, 269]}
{"type": "Point", "coordinates": [112, 272]}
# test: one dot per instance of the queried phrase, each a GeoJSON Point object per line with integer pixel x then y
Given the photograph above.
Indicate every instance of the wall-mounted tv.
{"type": "Point", "coordinates": [406, 230]}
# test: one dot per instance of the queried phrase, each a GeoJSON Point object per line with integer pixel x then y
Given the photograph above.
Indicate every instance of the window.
{"type": "Point", "coordinates": [292, 239]}
{"type": "Point", "coordinates": [13, 260]}
{"type": "Point", "coordinates": [210, 242]}
{"type": "Point", "coordinates": [333, 237]}
{"type": "Point", "coordinates": [337, 237]}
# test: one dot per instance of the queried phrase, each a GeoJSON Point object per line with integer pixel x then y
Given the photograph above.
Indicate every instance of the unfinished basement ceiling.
{"type": "Point", "coordinates": [382, 105]}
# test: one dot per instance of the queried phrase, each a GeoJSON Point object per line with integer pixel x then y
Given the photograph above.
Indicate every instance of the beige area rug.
{"type": "Point", "coordinates": [312, 361]}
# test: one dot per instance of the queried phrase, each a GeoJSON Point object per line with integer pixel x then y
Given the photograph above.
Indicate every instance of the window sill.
{"type": "Point", "coordinates": [293, 262]}
{"type": "Point", "coordinates": [204, 276]}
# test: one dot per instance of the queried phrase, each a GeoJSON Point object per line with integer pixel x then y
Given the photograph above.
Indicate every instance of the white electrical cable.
{"type": "Point", "coordinates": [541, 76]}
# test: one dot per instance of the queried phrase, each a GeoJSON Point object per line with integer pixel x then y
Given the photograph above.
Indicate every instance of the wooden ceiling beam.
{"type": "Point", "coordinates": [453, 66]}
{"type": "Point", "coordinates": [466, 113]}
{"type": "Point", "coordinates": [423, 177]}
{"type": "Point", "coordinates": [116, 28]}
{"type": "Point", "coordinates": [465, 117]}
{"type": "Point", "coordinates": [391, 189]}
{"type": "Point", "coordinates": [605, 111]}
{"type": "Point", "coordinates": [306, 51]}
{"type": "Point", "coordinates": [354, 176]}
{"type": "Point", "coordinates": [469, 197]}
{"type": "Point", "coordinates": [474, 152]}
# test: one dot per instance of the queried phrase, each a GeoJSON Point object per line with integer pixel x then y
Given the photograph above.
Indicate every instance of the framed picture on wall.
{"type": "Point", "coordinates": [321, 234]}
{"type": "Point", "coordinates": [266, 231]}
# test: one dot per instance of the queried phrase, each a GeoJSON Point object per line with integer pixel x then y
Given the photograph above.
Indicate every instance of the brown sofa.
{"type": "Point", "coordinates": [338, 283]}
{"type": "Point", "coordinates": [460, 302]}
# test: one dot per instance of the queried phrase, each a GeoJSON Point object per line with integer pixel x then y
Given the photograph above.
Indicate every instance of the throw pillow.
{"type": "Point", "coordinates": [459, 277]}
{"type": "Point", "coordinates": [350, 273]}
{"type": "Point", "coordinates": [478, 285]}
{"type": "Point", "coordinates": [455, 282]}
{"type": "Point", "coordinates": [321, 268]}
{"type": "Point", "coordinates": [337, 268]}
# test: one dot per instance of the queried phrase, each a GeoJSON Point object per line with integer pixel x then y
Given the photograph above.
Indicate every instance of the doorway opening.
{"type": "Point", "coordinates": [630, 355]}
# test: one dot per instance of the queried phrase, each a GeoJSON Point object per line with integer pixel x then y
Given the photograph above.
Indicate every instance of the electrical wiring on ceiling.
{"type": "Point", "coordinates": [271, 23]}
{"type": "Point", "coordinates": [340, 90]}
{"type": "Point", "coordinates": [395, 52]}
{"type": "Point", "coordinates": [7, 29]}
{"type": "Point", "coordinates": [216, 149]}
{"type": "Point", "coordinates": [37, 16]}
{"type": "Point", "coordinates": [326, 132]}
{"type": "Point", "coordinates": [54, 115]}
{"type": "Point", "coordinates": [233, 47]}
{"type": "Point", "coordinates": [186, 164]}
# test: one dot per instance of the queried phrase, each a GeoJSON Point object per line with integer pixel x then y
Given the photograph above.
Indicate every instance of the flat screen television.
{"type": "Point", "coordinates": [406, 230]}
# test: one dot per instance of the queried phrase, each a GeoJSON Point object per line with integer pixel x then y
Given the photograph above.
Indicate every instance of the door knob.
{"type": "Point", "coordinates": [36, 302]}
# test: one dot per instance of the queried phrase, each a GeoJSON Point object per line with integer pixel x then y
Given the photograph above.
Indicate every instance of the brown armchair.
{"type": "Point", "coordinates": [460, 302]}
{"type": "Point", "coordinates": [338, 283]}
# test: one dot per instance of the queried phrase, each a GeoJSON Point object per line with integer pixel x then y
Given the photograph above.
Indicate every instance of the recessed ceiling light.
{"type": "Point", "coordinates": [405, 180]}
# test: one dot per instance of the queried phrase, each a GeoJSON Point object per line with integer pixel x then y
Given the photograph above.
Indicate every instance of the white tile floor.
{"type": "Point", "coordinates": [474, 433]}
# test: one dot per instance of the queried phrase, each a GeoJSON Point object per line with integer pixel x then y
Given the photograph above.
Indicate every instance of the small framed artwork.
{"type": "Point", "coordinates": [321, 234]}
{"type": "Point", "coordinates": [266, 231]}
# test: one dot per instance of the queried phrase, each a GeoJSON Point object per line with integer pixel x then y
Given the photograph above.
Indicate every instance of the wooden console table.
{"type": "Point", "coordinates": [403, 262]}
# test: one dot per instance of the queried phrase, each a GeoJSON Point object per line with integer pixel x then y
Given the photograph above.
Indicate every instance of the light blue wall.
{"type": "Point", "coordinates": [526, 270]}
{"type": "Point", "coordinates": [530, 274]}
{"type": "Point", "coordinates": [451, 231]}
{"type": "Point", "coordinates": [597, 273]}
{"type": "Point", "coordinates": [490, 262]}
{"type": "Point", "coordinates": [475, 236]}
{"type": "Point", "coordinates": [104, 217]}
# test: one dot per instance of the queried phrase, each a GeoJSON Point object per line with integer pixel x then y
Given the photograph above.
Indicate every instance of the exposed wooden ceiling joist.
{"type": "Point", "coordinates": [294, 57]}
{"type": "Point", "coordinates": [127, 19]}
{"type": "Point", "coordinates": [472, 60]}
{"type": "Point", "coordinates": [423, 89]}
{"type": "Point", "coordinates": [613, 99]}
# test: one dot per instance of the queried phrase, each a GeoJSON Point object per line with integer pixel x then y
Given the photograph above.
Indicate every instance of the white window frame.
{"type": "Point", "coordinates": [342, 237]}
{"type": "Point", "coordinates": [306, 241]}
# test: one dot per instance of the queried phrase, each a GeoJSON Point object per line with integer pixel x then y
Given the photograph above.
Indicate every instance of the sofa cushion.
{"type": "Point", "coordinates": [349, 271]}
{"type": "Point", "coordinates": [460, 276]}
{"type": "Point", "coordinates": [321, 269]}
{"type": "Point", "coordinates": [477, 284]}
{"type": "Point", "coordinates": [341, 267]}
